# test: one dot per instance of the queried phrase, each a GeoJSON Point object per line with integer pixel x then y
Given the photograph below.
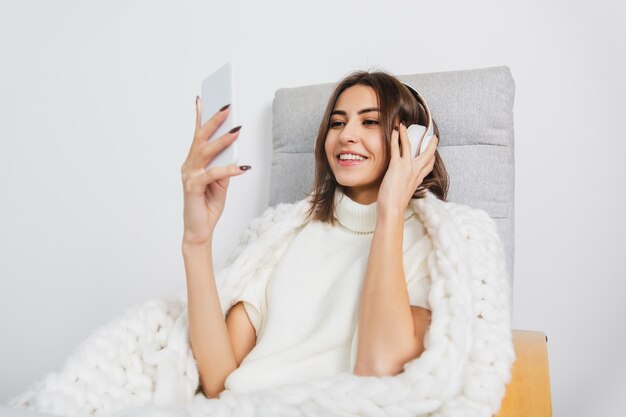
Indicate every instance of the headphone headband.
{"type": "Point", "coordinates": [420, 99]}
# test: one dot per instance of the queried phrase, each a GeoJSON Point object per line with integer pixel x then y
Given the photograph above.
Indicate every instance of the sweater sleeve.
{"type": "Point", "coordinates": [254, 298]}
{"type": "Point", "coordinates": [416, 270]}
{"type": "Point", "coordinates": [418, 286]}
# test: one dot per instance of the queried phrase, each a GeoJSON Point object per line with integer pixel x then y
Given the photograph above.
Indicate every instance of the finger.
{"type": "Point", "coordinates": [424, 157]}
{"type": "Point", "coordinates": [197, 183]}
{"type": "Point", "coordinates": [395, 148]}
{"type": "Point", "coordinates": [432, 146]}
{"type": "Point", "coordinates": [201, 133]}
{"type": "Point", "coordinates": [222, 183]}
{"type": "Point", "coordinates": [198, 114]}
{"type": "Point", "coordinates": [209, 150]}
{"type": "Point", "coordinates": [210, 126]}
{"type": "Point", "coordinates": [404, 142]}
{"type": "Point", "coordinates": [427, 168]}
{"type": "Point", "coordinates": [428, 152]}
{"type": "Point", "coordinates": [217, 173]}
{"type": "Point", "coordinates": [195, 141]}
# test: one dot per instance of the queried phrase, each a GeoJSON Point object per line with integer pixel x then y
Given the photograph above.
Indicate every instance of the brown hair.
{"type": "Point", "coordinates": [395, 101]}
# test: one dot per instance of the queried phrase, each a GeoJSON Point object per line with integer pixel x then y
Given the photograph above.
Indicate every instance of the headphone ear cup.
{"type": "Point", "coordinates": [425, 143]}
{"type": "Point", "coordinates": [415, 133]}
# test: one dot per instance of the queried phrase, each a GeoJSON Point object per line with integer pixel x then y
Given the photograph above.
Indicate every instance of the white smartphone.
{"type": "Point", "coordinates": [218, 90]}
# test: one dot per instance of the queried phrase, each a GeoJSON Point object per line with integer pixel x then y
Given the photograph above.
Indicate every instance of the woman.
{"type": "Point", "coordinates": [298, 327]}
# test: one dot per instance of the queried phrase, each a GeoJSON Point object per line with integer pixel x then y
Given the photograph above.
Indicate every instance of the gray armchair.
{"type": "Point", "coordinates": [474, 112]}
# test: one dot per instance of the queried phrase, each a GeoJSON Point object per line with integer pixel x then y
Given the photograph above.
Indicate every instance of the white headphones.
{"type": "Point", "coordinates": [420, 136]}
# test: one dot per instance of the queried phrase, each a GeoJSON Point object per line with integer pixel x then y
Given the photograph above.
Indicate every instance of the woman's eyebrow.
{"type": "Point", "coordinates": [342, 112]}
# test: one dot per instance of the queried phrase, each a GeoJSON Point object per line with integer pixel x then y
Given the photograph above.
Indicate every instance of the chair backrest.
{"type": "Point", "coordinates": [474, 112]}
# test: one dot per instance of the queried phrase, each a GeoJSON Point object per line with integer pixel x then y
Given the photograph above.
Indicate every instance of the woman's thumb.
{"type": "Point", "coordinates": [223, 182]}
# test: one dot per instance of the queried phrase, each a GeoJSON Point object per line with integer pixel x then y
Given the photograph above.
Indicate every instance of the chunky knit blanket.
{"type": "Point", "coordinates": [141, 363]}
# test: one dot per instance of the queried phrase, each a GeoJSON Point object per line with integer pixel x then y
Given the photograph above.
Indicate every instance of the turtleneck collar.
{"type": "Point", "coordinates": [356, 217]}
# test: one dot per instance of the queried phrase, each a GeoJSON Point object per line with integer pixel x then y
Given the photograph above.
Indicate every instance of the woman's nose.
{"type": "Point", "coordinates": [348, 133]}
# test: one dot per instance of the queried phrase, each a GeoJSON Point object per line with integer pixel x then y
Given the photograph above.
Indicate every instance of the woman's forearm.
{"type": "Point", "coordinates": [208, 333]}
{"type": "Point", "coordinates": [386, 328]}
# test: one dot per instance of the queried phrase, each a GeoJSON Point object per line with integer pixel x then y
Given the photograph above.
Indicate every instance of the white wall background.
{"type": "Point", "coordinates": [97, 115]}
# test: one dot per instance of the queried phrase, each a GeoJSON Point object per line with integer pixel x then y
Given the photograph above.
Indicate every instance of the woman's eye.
{"type": "Point", "coordinates": [367, 122]}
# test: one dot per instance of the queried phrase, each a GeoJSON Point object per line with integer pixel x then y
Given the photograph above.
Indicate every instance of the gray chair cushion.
{"type": "Point", "coordinates": [474, 112]}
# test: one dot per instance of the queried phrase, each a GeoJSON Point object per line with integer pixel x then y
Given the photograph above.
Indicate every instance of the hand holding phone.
{"type": "Point", "coordinates": [205, 181]}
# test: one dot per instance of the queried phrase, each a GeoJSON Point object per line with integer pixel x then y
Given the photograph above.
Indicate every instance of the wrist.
{"type": "Point", "coordinates": [190, 244]}
{"type": "Point", "coordinates": [390, 215]}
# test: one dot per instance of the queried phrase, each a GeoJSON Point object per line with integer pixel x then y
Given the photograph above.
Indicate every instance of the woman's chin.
{"type": "Point", "coordinates": [346, 181]}
{"type": "Point", "coordinates": [351, 181]}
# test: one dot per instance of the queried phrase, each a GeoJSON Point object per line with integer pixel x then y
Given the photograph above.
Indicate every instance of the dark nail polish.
{"type": "Point", "coordinates": [234, 129]}
{"type": "Point", "coordinates": [197, 98]}
{"type": "Point", "coordinates": [244, 167]}
{"type": "Point", "coordinates": [225, 107]}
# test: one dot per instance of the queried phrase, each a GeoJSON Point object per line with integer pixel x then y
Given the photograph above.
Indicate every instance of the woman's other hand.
{"type": "Point", "coordinates": [405, 173]}
{"type": "Point", "coordinates": [205, 190]}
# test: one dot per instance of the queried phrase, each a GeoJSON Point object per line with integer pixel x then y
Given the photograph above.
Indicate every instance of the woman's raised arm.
{"type": "Point", "coordinates": [218, 344]}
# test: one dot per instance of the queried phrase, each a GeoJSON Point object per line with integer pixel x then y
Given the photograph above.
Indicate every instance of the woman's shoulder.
{"type": "Point", "coordinates": [271, 215]}
{"type": "Point", "coordinates": [261, 224]}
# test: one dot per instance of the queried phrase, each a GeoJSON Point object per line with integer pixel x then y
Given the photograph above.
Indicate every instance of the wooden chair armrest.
{"type": "Point", "coordinates": [528, 392]}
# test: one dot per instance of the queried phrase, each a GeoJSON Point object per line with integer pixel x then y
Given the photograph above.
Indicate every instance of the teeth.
{"type": "Point", "coordinates": [351, 156]}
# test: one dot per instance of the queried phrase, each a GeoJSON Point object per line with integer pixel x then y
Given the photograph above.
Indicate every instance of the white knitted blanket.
{"type": "Point", "coordinates": [141, 364]}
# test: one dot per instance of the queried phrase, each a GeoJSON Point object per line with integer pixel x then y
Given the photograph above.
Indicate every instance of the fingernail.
{"type": "Point", "coordinates": [197, 98]}
{"type": "Point", "coordinates": [244, 167]}
{"type": "Point", "coordinates": [225, 107]}
{"type": "Point", "coordinates": [395, 128]}
{"type": "Point", "coordinates": [234, 129]}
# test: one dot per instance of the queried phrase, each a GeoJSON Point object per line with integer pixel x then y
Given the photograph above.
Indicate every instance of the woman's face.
{"type": "Point", "coordinates": [354, 130]}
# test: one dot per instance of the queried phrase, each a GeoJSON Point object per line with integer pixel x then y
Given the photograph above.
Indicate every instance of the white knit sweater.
{"type": "Point", "coordinates": [144, 359]}
{"type": "Point", "coordinates": [305, 312]}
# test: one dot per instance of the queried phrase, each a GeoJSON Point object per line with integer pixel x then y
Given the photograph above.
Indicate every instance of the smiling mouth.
{"type": "Point", "coordinates": [350, 162]}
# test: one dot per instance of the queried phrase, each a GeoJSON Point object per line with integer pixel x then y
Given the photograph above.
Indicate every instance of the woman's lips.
{"type": "Point", "coordinates": [349, 162]}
